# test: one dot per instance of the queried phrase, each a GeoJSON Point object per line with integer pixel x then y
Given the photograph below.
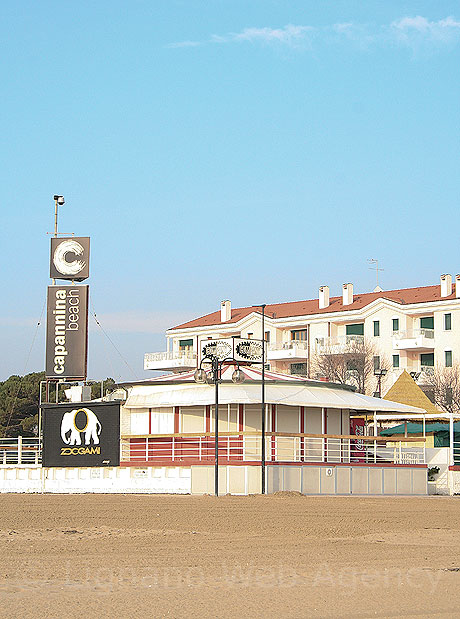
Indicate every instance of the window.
{"type": "Point", "coordinates": [395, 324]}
{"type": "Point", "coordinates": [396, 361]}
{"type": "Point", "coordinates": [267, 336]}
{"type": "Point", "coordinates": [299, 335]}
{"type": "Point", "coordinates": [447, 322]}
{"type": "Point", "coordinates": [376, 328]}
{"type": "Point", "coordinates": [185, 344]}
{"type": "Point", "coordinates": [357, 329]}
{"type": "Point", "coordinates": [250, 336]}
{"type": "Point", "coordinates": [427, 322]}
{"type": "Point", "coordinates": [376, 362]}
{"type": "Point", "coordinates": [427, 360]}
{"type": "Point", "coordinates": [448, 357]}
{"type": "Point", "coordinates": [299, 369]}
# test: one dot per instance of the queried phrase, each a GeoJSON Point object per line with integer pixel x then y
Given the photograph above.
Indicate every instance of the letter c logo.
{"type": "Point", "coordinates": [72, 267]}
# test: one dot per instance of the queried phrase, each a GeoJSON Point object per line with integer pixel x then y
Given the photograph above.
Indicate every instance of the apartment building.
{"type": "Point", "coordinates": [415, 329]}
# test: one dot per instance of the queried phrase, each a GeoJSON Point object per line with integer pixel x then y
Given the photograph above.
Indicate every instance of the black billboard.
{"type": "Point", "coordinates": [70, 258]}
{"type": "Point", "coordinates": [67, 332]}
{"type": "Point", "coordinates": [81, 434]}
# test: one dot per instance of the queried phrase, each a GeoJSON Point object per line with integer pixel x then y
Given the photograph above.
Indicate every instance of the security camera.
{"type": "Point", "coordinates": [60, 200]}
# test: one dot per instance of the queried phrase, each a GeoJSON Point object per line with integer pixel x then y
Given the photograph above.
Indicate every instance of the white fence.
{"type": "Point", "coordinates": [20, 450]}
{"type": "Point", "coordinates": [189, 449]}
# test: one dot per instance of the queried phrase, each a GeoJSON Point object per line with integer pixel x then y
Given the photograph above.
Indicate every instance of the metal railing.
{"type": "Point", "coordinates": [412, 334]}
{"type": "Point", "coordinates": [20, 450]}
{"type": "Point", "coordinates": [243, 447]}
{"type": "Point", "coordinates": [455, 454]}
{"type": "Point", "coordinates": [170, 356]}
{"type": "Point", "coordinates": [291, 344]}
{"type": "Point", "coordinates": [337, 345]}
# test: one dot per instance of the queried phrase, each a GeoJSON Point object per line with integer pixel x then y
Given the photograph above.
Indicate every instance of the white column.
{"type": "Point", "coordinates": [451, 439]}
{"type": "Point", "coordinates": [424, 439]}
{"type": "Point", "coordinates": [323, 425]}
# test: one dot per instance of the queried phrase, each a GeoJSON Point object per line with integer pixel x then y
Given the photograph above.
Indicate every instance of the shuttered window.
{"type": "Point", "coordinates": [447, 322]}
{"type": "Point", "coordinates": [427, 322]}
{"type": "Point", "coordinates": [356, 329]}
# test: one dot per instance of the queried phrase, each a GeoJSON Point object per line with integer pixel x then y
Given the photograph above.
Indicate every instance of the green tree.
{"type": "Point", "coordinates": [19, 402]}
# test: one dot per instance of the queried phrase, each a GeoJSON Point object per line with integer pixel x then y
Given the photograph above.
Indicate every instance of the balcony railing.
{"type": "Point", "coordinates": [337, 345]}
{"type": "Point", "coordinates": [294, 349]}
{"type": "Point", "coordinates": [170, 360]}
{"type": "Point", "coordinates": [20, 450]}
{"type": "Point", "coordinates": [415, 339]}
{"type": "Point", "coordinates": [191, 449]}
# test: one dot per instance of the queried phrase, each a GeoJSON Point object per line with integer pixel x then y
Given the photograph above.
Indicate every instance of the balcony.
{"type": "Point", "coordinates": [417, 339]}
{"type": "Point", "coordinates": [177, 360]}
{"type": "Point", "coordinates": [295, 349]}
{"type": "Point", "coordinates": [338, 345]}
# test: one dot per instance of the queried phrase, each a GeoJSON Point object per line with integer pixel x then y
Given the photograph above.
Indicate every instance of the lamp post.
{"type": "Point", "coordinates": [58, 201]}
{"type": "Point", "coordinates": [263, 399]}
{"type": "Point", "coordinates": [214, 376]}
{"type": "Point", "coordinates": [379, 373]}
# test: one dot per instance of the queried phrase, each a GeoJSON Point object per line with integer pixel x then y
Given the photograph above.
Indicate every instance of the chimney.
{"type": "Point", "coordinates": [347, 294]}
{"type": "Point", "coordinates": [457, 286]}
{"type": "Point", "coordinates": [323, 297]}
{"type": "Point", "coordinates": [225, 311]}
{"type": "Point", "coordinates": [446, 285]}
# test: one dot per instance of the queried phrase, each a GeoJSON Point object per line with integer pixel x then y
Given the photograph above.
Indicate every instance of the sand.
{"type": "Point", "coordinates": [272, 556]}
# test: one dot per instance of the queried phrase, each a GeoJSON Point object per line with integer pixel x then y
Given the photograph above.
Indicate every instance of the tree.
{"type": "Point", "coordinates": [444, 384]}
{"type": "Point", "coordinates": [19, 402]}
{"type": "Point", "coordinates": [351, 363]}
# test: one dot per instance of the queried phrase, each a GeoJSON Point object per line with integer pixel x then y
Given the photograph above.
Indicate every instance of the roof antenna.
{"type": "Point", "coordinates": [377, 269]}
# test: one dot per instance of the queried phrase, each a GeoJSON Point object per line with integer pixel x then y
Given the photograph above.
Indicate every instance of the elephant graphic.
{"type": "Point", "coordinates": [71, 433]}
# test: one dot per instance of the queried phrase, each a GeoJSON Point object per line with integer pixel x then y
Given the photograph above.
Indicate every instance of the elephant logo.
{"type": "Point", "coordinates": [90, 426]}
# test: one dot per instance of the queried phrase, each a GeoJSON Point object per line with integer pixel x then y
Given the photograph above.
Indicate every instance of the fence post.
{"type": "Point", "coordinates": [19, 449]}
{"type": "Point", "coordinates": [375, 451]}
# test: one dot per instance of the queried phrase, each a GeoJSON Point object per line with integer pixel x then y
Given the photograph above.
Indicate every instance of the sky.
{"type": "Point", "coordinates": [245, 150]}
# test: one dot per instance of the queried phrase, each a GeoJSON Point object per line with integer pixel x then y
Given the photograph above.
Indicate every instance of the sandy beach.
{"type": "Point", "coordinates": [183, 556]}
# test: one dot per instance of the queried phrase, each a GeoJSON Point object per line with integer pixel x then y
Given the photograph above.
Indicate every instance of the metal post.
{"type": "Point", "coordinates": [263, 400]}
{"type": "Point", "coordinates": [55, 226]}
{"type": "Point", "coordinates": [451, 440]}
{"type": "Point", "coordinates": [215, 365]}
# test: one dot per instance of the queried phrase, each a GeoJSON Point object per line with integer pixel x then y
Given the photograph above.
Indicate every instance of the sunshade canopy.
{"type": "Point", "coordinates": [181, 390]}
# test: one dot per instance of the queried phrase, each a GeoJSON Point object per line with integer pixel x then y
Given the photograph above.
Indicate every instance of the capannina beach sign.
{"type": "Point", "coordinates": [67, 332]}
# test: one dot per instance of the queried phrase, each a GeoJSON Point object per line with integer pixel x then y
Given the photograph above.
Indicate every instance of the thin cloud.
{"type": "Point", "coordinates": [409, 31]}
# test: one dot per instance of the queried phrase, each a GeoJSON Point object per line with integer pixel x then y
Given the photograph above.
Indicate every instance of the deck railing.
{"type": "Point", "coordinates": [20, 450]}
{"type": "Point", "coordinates": [245, 447]}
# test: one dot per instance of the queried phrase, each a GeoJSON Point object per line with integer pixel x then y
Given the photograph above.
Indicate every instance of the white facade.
{"type": "Point", "coordinates": [414, 329]}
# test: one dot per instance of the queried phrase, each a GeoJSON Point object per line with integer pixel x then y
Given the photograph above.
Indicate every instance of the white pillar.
{"type": "Point", "coordinates": [451, 439]}
{"type": "Point", "coordinates": [424, 439]}
{"type": "Point", "coordinates": [323, 426]}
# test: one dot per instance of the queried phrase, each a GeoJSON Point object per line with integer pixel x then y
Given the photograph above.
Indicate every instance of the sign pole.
{"type": "Point", "coordinates": [216, 428]}
{"type": "Point", "coordinates": [263, 400]}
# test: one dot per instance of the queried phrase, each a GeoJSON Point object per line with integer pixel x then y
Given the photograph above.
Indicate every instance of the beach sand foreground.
{"type": "Point", "coordinates": [201, 556]}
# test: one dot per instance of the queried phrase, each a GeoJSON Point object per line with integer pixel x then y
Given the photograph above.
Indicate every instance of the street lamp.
{"type": "Point", "coordinates": [58, 201]}
{"type": "Point", "coordinates": [214, 376]}
{"type": "Point", "coordinates": [379, 373]}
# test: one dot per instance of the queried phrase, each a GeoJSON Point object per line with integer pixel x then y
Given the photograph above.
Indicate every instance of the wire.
{"type": "Point", "coordinates": [119, 353]}
{"type": "Point", "coordinates": [21, 378]}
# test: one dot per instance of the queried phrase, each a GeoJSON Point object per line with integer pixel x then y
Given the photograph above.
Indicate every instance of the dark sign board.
{"type": "Point", "coordinates": [70, 258]}
{"type": "Point", "coordinates": [81, 434]}
{"type": "Point", "coordinates": [67, 332]}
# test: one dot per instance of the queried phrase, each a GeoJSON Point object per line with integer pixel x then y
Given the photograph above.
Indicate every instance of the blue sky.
{"type": "Point", "coordinates": [245, 150]}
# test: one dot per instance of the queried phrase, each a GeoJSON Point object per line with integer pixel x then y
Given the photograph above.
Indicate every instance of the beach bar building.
{"type": "Point", "coordinates": [316, 441]}
{"type": "Point", "coordinates": [167, 430]}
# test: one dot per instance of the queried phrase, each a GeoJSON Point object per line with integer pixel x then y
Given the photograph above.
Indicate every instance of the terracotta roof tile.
{"type": "Point", "coordinates": [405, 296]}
